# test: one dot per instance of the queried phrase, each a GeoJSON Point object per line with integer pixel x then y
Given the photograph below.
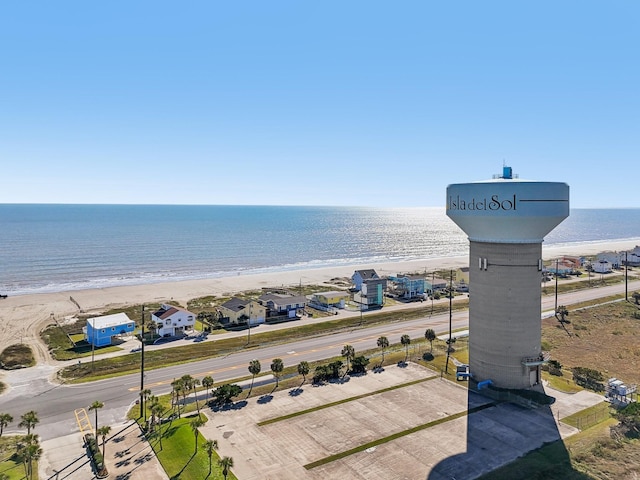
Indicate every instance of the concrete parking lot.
{"type": "Point", "coordinates": [348, 415]}
{"type": "Point", "coordinates": [463, 447]}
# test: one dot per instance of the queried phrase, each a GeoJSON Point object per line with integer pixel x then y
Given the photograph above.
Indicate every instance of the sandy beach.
{"type": "Point", "coordinates": [23, 317]}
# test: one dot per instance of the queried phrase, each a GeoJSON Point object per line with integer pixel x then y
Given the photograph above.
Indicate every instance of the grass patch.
{"type": "Point", "coordinates": [589, 416]}
{"type": "Point", "coordinates": [339, 402]}
{"type": "Point", "coordinates": [14, 470]}
{"type": "Point", "coordinates": [126, 364]}
{"type": "Point", "coordinates": [562, 383]}
{"type": "Point", "coordinates": [389, 438]}
{"type": "Point", "coordinates": [549, 462]}
{"type": "Point", "coordinates": [178, 456]}
{"type": "Point", "coordinates": [587, 455]}
{"type": "Point", "coordinates": [17, 356]}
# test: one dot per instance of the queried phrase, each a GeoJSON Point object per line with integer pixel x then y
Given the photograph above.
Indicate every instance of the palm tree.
{"type": "Point", "coordinates": [348, 352]}
{"type": "Point", "coordinates": [95, 406]}
{"type": "Point", "coordinates": [194, 386]}
{"type": "Point", "coordinates": [277, 366]}
{"type": "Point", "coordinates": [383, 343]}
{"type": "Point", "coordinates": [155, 408]}
{"type": "Point", "coordinates": [207, 382]}
{"type": "Point", "coordinates": [210, 446]}
{"type": "Point", "coordinates": [254, 369]}
{"type": "Point", "coordinates": [177, 386]}
{"type": "Point", "coordinates": [303, 369]}
{"type": "Point", "coordinates": [196, 423]}
{"type": "Point", "coordinates": [563, 312]}
{"type": "Point", "coordinates": [144, 396]}
{"type": "Point", "coordinates": [225, 463]}
{"type": "Point", "coordinates": [187, 383]}
{"type": "Point", "coordinates": [152, 327]}
{"type": "Point", "coordinates": [430, 335]}
{"type": "Point", "coordinates": [103, 432]}
{"type": "Point", "coordinates": [28, 451]}
{"type": "Point", "coordinates": [5, 420]}
{"type": "Point", "coordinates": [29, 421]}
{"type": "Point", "coordinates": [406, 341]}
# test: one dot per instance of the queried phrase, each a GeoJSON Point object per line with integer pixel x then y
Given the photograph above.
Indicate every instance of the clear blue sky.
{"type": "Point", "coordinates": [315, 103]}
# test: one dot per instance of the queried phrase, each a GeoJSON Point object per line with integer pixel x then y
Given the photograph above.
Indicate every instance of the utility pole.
{"type": "Point", "coordinates": [556, 309]}
{"type": "Point", "coordinates": [93, 342]}
{"type": "Point", "coordinates": [433, 280]}
{"type": "Point", "coordinates": [626, 278]}
{"type": "Point", "coordinates": [142, 366]}
{"type": "Point", "coordinates": [446, 367]}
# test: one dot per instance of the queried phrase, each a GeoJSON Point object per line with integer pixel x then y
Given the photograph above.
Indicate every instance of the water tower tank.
{"type": "Point", "coordinates": [506, 220]}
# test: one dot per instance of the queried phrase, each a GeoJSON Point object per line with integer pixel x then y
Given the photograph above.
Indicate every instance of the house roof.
{"type": "Point", "coordinates": [282, 299]}
{"type": "Point", "coordinates": [367, 273]}
{"type": "Point", "coordinates": [333, 293]}
{"type": "Point", "coordinates": [236, 304]}
{"type": "Point", "coordinates": [107, 321]}
{"type": "Point", "coordinates": [166, 311]}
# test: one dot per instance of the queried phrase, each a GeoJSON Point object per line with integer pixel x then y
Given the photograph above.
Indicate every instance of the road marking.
{"type": "Point", "coordinates": [84, 424]}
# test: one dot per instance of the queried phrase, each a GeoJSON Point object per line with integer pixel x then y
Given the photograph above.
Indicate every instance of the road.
{"type": "Point", "coordinates": [30, 389]}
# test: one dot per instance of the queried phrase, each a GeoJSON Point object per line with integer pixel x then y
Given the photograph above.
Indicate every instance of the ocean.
{"type": "Point", "coordinates": [50, 248]}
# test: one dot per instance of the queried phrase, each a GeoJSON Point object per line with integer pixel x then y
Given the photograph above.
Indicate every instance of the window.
{"type": "Point", "coordinates": [168, 322]}
{"type": "Point", "coordinates": [102, 331]}
{"type": "Point", "coordinates": [113, 329]}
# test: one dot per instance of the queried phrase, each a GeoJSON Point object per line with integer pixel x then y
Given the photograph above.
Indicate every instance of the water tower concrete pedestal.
{"type": "Point", "coordinates": [506, 220]}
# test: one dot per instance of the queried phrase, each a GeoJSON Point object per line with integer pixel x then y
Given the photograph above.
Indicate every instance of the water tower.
{"type": "Point", "coordinates": [506, 219]}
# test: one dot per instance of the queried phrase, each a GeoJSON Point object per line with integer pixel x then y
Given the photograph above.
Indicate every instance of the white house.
{"type": "Point", "coordinates": [283, 304]}
{"type": "Point", "coordinates": [173, 321]}
{"type": "Point", "coordinates": [601, 266]}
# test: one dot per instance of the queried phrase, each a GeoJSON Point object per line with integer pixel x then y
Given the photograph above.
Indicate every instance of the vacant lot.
{"type": "Point", "coordinates": [604, 338]}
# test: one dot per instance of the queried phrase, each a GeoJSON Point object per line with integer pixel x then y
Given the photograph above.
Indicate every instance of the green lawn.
{"type": "Point", "coordinates": [177, 453]}
{"type": "Point", "coordinates": [14, 470]}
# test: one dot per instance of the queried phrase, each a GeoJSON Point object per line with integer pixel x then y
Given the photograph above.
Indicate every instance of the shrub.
{"type": "Point", "coordinates": [588, 378]}
{"type": "Point", "coordinates": [555, 367]}
{"type": "Point", "coordinates": [94, 451]}
{"type": "Point", "coordinates": [359, 364]}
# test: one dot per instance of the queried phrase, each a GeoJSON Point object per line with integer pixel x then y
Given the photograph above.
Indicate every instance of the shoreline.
{"type": "Point", "coordinates": [24, 316]}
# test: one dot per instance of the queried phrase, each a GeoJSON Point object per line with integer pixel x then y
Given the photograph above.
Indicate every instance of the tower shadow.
{"type": "Point", "coordinates": [503, 428]}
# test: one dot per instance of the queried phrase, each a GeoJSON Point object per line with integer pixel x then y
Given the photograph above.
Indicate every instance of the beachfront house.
{"type": "Point", "coordinates": [462, 275]}
{"type": "Point", "coordinates": [562, 267]}
{"type": "Point", "coordinates": [371, 294]}
{"type": "Point", "coordinates": [329, 301]}
{"type": "Point", "coordinates": [601, 266]}
{"type": "Point", "coordinates": [238, 311]}
{"type": "Point", "coordinates": [279, 305]}
{"type": "Point", "coordinates": [407, 286]}
{"type": "Point", "coordinates": [173, 321]}
{"type": "Point", "coordinates": [435, 285]}
{"type": "Point", "coordinates": [360, 276]}
{"type": "Point", "coordinates": [616, 259]}
{"type": "Point", "coordinates": [620, 259]}
{"type": "Point", "coordinates": [100, 331]}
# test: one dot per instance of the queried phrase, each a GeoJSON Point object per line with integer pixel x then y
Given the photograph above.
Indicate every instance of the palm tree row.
{"type": "Point", "coordinates": [28, 447]}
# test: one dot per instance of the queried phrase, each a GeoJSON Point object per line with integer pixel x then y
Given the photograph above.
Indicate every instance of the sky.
{"type": "Point", "coordinates": [354, 103]}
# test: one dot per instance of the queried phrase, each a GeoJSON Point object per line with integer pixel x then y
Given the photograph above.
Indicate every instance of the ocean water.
{"type": "Point", "coordinates": [48, 248]}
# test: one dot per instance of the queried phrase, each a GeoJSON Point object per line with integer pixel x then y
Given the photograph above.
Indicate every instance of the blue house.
{"type": "Point", "coordinates": [100, 330]}
{"type": "Point", "coordinates": [407, 286]}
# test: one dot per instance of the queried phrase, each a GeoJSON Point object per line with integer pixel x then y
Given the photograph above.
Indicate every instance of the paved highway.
{"type": "Point", "coordinates": [30, 389]}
